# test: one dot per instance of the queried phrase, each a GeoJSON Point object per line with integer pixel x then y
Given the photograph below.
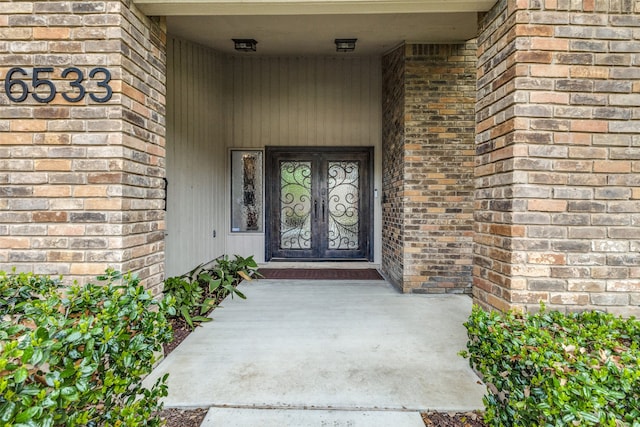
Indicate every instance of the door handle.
{"type": "Point", "coordinates": [323, 211]}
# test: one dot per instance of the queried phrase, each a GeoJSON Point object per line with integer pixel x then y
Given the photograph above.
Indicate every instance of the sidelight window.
{"type": "Point", "coordinates": [246, 191]}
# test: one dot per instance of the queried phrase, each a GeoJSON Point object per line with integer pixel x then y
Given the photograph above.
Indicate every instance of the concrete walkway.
{"type": "Point", "coordinates": [317, 353]}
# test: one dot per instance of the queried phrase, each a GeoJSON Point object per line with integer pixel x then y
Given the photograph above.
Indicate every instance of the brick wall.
{"type": "Point", "coordinates": [428, 144]}
{"type": "Point", "coordinates": [393, 137]}
{"type": "Point", "coordinates": [558, 144]}
{"type": "Point", "coordinates": [440, 93]}
{"type": "Point", "coordinates": [81, 183]}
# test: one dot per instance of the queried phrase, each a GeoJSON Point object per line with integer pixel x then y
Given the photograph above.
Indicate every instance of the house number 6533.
{"type": "Point", "coordinates": [101, 75]}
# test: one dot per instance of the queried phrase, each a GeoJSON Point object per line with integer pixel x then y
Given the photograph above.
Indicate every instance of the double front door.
{"type": "Point", "coordinates": [319, 203]}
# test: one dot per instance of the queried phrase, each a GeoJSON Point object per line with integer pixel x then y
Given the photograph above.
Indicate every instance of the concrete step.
{"type": "Point", "coordinates": [241, 417]}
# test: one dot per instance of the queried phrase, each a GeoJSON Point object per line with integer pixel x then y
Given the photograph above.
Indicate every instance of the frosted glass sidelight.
{"type": "Point", "coordinates": [247, 209]}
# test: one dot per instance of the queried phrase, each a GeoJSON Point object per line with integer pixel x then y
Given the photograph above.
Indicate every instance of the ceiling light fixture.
{"type": "Point", "coordinates": [245, 45]}
{"type": "Point", "coordinates": [345, 45]}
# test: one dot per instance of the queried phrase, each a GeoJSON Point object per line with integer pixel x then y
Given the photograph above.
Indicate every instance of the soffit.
{"type": "Point", "coordinates": [304, 28]}
{"type": "Point", "coordinates": [301, 7]}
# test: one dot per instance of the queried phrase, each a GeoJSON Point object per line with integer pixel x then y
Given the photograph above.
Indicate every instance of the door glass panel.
{"type": "Point", "coordinates": [295, 205]}
{"type": "Point", "coordinates": [344, 209]}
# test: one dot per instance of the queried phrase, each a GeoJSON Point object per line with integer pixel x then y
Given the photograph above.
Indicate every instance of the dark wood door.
{"type": "Point", "coordinates": [319, 203]}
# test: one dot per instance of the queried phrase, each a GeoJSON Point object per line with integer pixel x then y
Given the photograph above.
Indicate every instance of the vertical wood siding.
{"type": "Point", "coordinates": [216, 103]}
{"type": "Point", "coordinates": [305, 101]}
{"type": "Point", "coordinates": [195, 156]}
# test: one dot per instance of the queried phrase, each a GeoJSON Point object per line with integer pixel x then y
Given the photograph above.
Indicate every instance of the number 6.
{"type": "Point", "coordinates": [9, 83]}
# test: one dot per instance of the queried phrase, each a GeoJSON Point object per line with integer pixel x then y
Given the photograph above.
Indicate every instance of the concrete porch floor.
{"type": "Point", "coordinates": [301, 353]}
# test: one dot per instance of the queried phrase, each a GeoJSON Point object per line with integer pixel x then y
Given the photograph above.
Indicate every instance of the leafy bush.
{"type": "Point", "coordinates": [76, 356]}
{"type": "Point", "coordinates": [200, 290]}
{"type": "Point", "coordinates": [552, 369]}
{"type": "Point", "coordinates": [228, 273]}
{"type": "Point", "coordinates": [188, 295]}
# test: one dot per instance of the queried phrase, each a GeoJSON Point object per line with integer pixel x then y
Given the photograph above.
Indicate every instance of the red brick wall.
{"type": "Point", "coordinates": [428, 144]}
{"type": "Point", "coordinates": [558, 144]}
{"type": "Point", "coordinates": [81, 184]}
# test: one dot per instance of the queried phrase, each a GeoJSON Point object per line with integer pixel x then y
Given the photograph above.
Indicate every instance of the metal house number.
{"type": "Point", "coordinates": [17, 89]}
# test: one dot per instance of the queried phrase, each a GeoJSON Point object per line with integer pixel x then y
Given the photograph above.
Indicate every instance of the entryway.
{"type": "Point", "coordinates": [318, 203]}
{"type": "Point", "coordinates": [329, 349]}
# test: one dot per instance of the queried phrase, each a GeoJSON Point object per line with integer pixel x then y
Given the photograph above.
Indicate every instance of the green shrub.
{"type": "Point", "coordinates": [227, 273]}
{"type": "Point", "coordinates": [189, 296]}
{"type": "Point", "coordinates": [552, 369]}
{"type": "Point", "coordinates": [200, 290]}
{"type": "Point", "coordinates": [76, 356]}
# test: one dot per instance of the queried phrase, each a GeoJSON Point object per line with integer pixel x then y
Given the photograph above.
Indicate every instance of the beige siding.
{"type": "Point", "coordinates": [216, 103]}
{"type": "Point", "coordinates": [305, 101]}
{"type": "Point", "coordinates": [195, 156]}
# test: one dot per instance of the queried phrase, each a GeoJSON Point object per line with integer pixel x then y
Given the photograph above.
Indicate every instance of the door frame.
{"type": "Point", "coordinates": [271, 200]}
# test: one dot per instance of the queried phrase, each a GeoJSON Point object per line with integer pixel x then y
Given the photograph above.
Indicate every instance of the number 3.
{"type": "Point", "coordinates": [77, 83]}
{"type": "Point", "coordinates": [104, 83]}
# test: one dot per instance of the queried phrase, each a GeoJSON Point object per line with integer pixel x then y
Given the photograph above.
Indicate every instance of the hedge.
{"type": "Point", "coordinates": [554, 369]}
{"type": "Point", "coordinates": [76, 356]}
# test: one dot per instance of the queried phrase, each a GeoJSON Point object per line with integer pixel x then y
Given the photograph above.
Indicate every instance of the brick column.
{"type": "Point", "coordinates": [558, 144]}
{"type": "Point", "coordinates": [81, 183]}
{"type": "Point", "coordinates": [393, 137]}
{"type": "Point", "coordinates": [428, 133]}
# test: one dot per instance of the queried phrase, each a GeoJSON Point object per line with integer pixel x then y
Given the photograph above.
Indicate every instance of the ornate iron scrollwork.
{"type": "Point", "coordinates": [295, 205]}
{"type": "Point", "coordinates": [344, 209]}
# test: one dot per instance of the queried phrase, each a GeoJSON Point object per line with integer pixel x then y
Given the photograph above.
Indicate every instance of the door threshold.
{"type": "Point", "coordinates": [287, 263]}
{"type": "Point", "coordinates": [291, 259]}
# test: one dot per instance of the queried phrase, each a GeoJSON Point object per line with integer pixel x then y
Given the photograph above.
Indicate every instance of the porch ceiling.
{"type": "Point", "coordinates": [293, 27]}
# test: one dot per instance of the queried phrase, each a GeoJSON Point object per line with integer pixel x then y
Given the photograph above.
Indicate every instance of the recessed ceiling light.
{"type": "Point", "coordinates": [345, 45]}
{"type": "Point", "coordinates": [245, 45]}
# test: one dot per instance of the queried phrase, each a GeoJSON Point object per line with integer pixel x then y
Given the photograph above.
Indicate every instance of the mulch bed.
{"type": "Point", "coordinates": [180, 331]}
{"type": "Point", "coordinates": [183, 417]}
{"type": "Point", "coordinates": [441, 419]}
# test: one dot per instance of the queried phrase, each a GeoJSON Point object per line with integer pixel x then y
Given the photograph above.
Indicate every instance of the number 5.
{"type": "Point", "coordinates": [39, 82]}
